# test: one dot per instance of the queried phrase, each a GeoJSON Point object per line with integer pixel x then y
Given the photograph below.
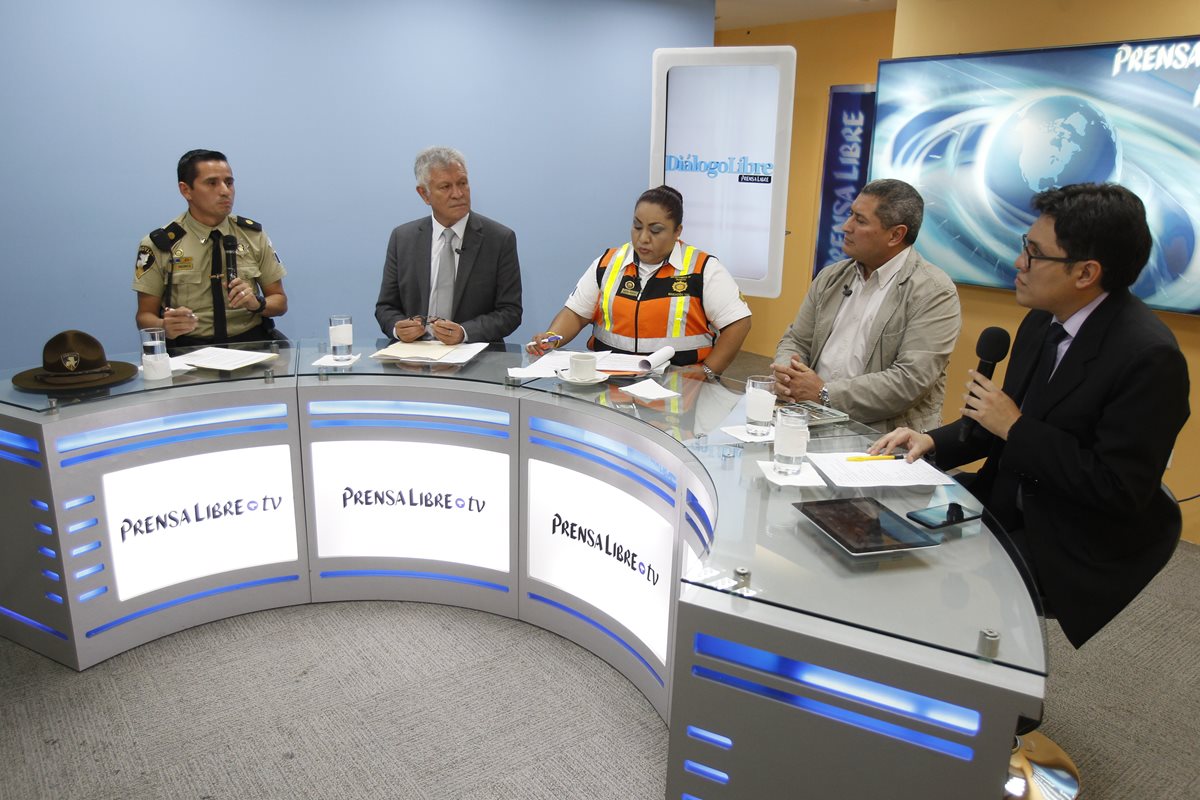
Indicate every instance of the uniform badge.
{"type": "Point", "coordinates": [629, 284]}
{"type": "Point", "coordinates": [145, 260]}
{"type": "Point", "coordinates": [679, 286]}
{"type": "Point", "coordinates": [241, 248]}
{"type": "Point", "coordinates": [179, 253]}
{"type": "Point", "coordinates": [70, 361]}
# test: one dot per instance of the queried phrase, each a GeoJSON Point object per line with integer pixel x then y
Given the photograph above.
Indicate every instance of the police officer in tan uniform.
{"type": "Point", "coordinates": [180, 276]}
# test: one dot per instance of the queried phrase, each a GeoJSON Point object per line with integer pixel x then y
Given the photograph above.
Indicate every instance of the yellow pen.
{"type": "Point", "coordinates": [893, 457]}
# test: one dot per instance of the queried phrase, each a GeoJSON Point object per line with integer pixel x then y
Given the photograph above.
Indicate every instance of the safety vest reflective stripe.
{"type": "Point", "coordinates": [612, 276]}
{"type": "Point", "coordinates": [680, 305]}
{"type": "Point", "coordinates": [643, 344]}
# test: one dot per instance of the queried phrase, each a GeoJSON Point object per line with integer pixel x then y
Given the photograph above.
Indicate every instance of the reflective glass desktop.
{"type": "Point", "coordinates": [657, 477]}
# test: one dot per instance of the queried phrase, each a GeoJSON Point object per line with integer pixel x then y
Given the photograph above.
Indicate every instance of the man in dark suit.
{"type": "Point", "coordinates": [452, 276]}
{"type": "Point", "coordinates": [1079, 437]}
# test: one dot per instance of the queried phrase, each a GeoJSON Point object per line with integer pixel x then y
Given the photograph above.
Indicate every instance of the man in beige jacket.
{"type": "Point", "coordinates": [875, 332]}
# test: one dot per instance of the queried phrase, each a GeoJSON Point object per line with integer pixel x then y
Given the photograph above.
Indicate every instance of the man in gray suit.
{"type": "Point", "coordinates": [875, 332]}
{"type": "Point", "coordinates": [452, 276]}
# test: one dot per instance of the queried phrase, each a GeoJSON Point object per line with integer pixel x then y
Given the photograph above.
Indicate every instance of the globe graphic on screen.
{"type": "Point", "coordinates": [1053, 141]}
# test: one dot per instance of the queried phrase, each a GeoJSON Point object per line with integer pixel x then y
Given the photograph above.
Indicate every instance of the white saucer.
{"type": "Point", "coordinates": [564, 375]}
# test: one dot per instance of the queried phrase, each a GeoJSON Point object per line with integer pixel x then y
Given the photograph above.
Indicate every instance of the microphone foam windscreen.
{"type": "Point", "coordinates": [992, 345]}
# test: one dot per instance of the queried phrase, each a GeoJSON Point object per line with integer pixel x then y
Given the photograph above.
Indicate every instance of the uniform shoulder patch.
{"type": "Point", "coordinates": [145, 260]}
{"type": "Point", "coordinates": [248, 224]}
{"type": "Point", "coordinates": [166, 238]}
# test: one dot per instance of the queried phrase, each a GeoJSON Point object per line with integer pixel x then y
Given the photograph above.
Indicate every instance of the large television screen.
{"type": "Point", "coordinates": [979, 135]}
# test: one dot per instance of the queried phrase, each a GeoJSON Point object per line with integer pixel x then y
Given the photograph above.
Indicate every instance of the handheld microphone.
{"type": "Point", "coordinates": [230, 244]}
{"type": "Point", "coordinates": [992, 348]}
{"type": "Point", "coordinates": [846, 291]}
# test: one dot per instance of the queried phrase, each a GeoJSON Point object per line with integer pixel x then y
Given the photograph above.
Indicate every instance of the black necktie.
{"type": "Point", "coordinates": [220, 333]}
{"type": "Point", "coordinates": [1045, 368]}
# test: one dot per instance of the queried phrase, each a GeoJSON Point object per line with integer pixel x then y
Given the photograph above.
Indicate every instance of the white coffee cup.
{"type": "Point", "coordinates": [583, 367]}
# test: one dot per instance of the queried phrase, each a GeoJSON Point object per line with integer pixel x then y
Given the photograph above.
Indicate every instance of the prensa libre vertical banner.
{"type": "Point", "coordinates": [847, 153]}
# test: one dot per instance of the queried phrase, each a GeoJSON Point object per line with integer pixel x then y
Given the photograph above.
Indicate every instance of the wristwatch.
{"type": "Point", "coordinates": [709, 375]}
{"type": "Point", "coordinates": [261, 300]}
{"type": "Point", "coordinates": [823, 395]}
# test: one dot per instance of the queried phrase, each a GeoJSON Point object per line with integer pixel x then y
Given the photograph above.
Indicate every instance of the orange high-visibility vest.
{"type": "Point", "coordinates": [668, 310]}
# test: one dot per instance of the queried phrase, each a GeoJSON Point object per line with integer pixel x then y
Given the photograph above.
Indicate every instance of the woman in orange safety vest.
{"type": "Point", "coordinates": [655, 291]}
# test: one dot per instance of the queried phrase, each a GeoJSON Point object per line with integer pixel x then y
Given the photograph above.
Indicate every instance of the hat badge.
{"type": "Point", "coordinates": [70, 361]}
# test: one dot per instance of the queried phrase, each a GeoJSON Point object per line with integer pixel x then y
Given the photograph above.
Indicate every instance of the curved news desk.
{"type": "Point", "coordinates": [148, 510]}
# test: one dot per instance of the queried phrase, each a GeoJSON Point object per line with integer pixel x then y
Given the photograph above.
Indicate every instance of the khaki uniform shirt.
{"type": "Point", "coordinates": [190, 263]}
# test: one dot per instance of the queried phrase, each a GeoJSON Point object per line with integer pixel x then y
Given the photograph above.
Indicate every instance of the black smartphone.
{"type": "Point", "coordinates": [941, 516]}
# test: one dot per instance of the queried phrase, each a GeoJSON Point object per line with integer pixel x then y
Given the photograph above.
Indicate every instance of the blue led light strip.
{"type": "Point", "coordinates": [19, 442]}
{"type": "Point", "coordinates": [708, 737]}
{"type": "Point", "coordinates": [599, 627]}
{"type": "Point", "coordinates": [51, 574]}
{"type": "Point", "coordinates": [86, 571]}
{"type": "Point", "coordinates": [188, 599]}
{"type": "Point", "coordinates": [46, 529]}
{"type": "Point", "coordinates": [169, 440]}
{"type": "Point", "coordinates": [47, 552]}
{"type": "Point", "coordinates": [33, 623]}
{"type": "Point", "coordinates": [404, 423]}
{"type": "Point", "coordinates": [611, 446]}
{"type": "Point", "coordinates": [85, 548]}
{"type": "Point", "coordinates": [54, 597]}
{"type": "Point", "coordinates": [686, 796]}
{"type": "Point", "coordinates": [706, 772]}
{"type": "Point", "coordinates": [841, 684]}
{"type": "Point", "coordinates": [99, 590]}
{"type": "Point", "coordinates": [16, 459]}
{"type": "Point", "coordinates": [41, 505]}
{"type": "Point", "coordinates": [693, 503]}
{"type": "Point", "coordinates": [410, 408]}
{"type": "Point", "coordinates": [76, 502]}
{"type": "Point", "coordinates": [604, 462]}
{"type": "Point", "coordinates": [192, 419]}
{"type": "Point", "coordinates": [842, 715]}
{"type": "Point", "coordinates": [699, 535]}
{"type": "Point", "coordinates": [79, 526]}
{"type": "Point", "coordinates": [403, 573]}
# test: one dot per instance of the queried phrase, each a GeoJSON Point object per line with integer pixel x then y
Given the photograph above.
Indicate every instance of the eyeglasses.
{"type": "Point", "coordinates": [1029, 254]}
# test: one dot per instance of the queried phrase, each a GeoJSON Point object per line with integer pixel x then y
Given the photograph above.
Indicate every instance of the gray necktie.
{"type": "Point", "coordinates": [441, 304]}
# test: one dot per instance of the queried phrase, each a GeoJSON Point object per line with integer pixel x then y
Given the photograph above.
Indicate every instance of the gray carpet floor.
{"type": "Point", "coordinates": [402, 700]}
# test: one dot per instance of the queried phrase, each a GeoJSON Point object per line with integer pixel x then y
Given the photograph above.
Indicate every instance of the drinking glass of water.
{"type": "Point", "coordinates": [341, 336]}
{"type": "Point", "coordinates": [760, 404]}
{"type": "Point", "coordinates": [791, 440]}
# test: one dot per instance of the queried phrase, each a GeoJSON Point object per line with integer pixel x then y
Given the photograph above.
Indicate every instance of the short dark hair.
{"type": "Point", "coordinates": [1103, 222]}
{"type": "Point", "coordinates": [188, 161]}
{"type": "Point", "coordinates": [899, 204]}
{"type": "Point", "coordinates": [669, 198]}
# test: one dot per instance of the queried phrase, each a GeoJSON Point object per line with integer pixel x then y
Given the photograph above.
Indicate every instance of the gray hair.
{"type": "Point", "coordinates": [436, 158]}
{"type": "Point", "coordinates": [899, 204]}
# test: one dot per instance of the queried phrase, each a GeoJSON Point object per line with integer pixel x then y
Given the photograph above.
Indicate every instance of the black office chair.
{"type": "Point", "coordinates": [1039, 769]}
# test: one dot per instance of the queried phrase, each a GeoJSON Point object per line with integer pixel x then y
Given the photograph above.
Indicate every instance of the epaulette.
{"type": "Point", "coordinates": [165, 238]}
{"type": "Point", "coordinates": [248, 224]}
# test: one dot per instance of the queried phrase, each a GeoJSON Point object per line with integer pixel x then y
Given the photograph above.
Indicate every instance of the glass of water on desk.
{"type": "Point", "coordinates": [760, 404]}
{"type": "Point", "coordinates": [791, 440]}
{"type": "Point", "coordinates": [341, 336]}
{"type": "Point", "coordinates": [156, 364]}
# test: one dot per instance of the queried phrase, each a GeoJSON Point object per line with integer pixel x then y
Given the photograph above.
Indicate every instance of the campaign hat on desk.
{"type": "Point", "coordinates": [73, 360]}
